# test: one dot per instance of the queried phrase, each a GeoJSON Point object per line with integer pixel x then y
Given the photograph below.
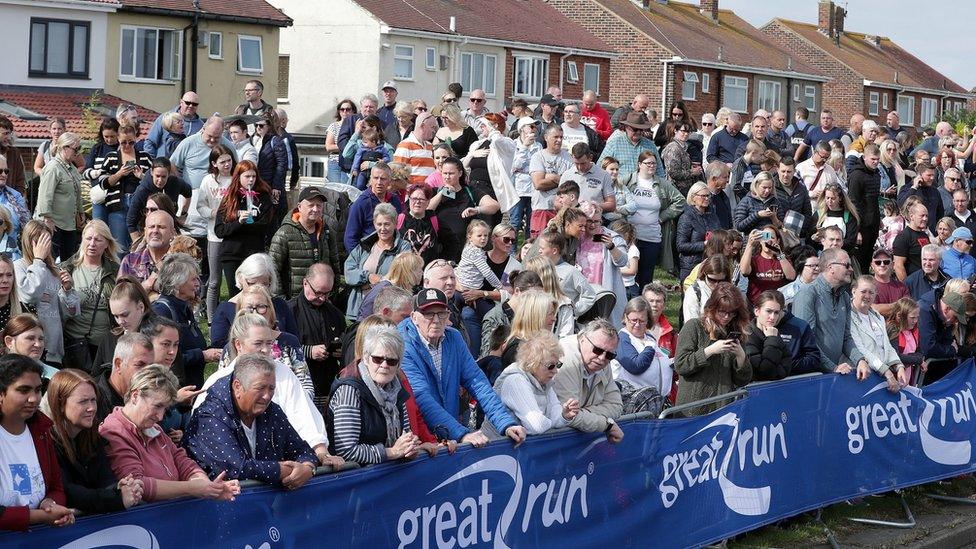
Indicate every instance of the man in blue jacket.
{"type": "Point", "coordinates": [940, 313]}
{"type": "Point", "coordinates": [956, 261]}
{"type": "Point", "coordinates": [437, 363]}
{"type": "Point", "coordinates": [238, 430]}
{"type": "Point", "coordinates": [192, 123]}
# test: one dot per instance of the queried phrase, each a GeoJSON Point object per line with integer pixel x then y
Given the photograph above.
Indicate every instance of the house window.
{"type": "Point", "coordinates": [403, 62]}
{"type": "Point", "coordinates": [706, 82]}
{"type": "Point", "coordinates": [905, 105]}
{"type": "Point", "coordinates": [150, 53]}
{"type": "Point", "coordinates": [591, 77]}
{"type": "Point", "coordinates": [478, 71]}
{"type": "Point", "coordinates": [874, 100]}
{"type": "Point", "coordinates": [573, 72]}
{"type": "Point", "coordinates": [736, 93]}
{"type": "Point", "coordinates": [216, 50]}
{"type": "Point", "coordinates": [284, 71]}
{"type": "Point", "coordinates": [769, 92]}
{"type": "Point", "coordinates": [796, 93]}
{"type": "Point", "coordinates": [431, 59]}
{"type": "Point", "coordinates": [59, 48]}
{"type": "Point", "coordinates": [884, 101]}
{"type": "Point", "coordinates": [531, 76]}
{"type": "Point", "coordinates": [810, 97]}
{"type": "Point", "coordinates": [929, 112]}
{"type": "Point", "coordinates": [250, 57]}
{"type": "Point", "coordinates": [689, 86]}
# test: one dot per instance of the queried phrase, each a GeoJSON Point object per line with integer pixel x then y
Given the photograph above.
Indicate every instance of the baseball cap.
{"type": "Point", "coordinates": [388, 84]}
{"type": "Point", "coordinates": [311, 193]}
{"type": "Point", "coordinates": [962, 232]}
{"type": "Point", "coordinates": [548, 99]}
{"type": "Point", "coordinates": [957, 303]}
{"type": "Point", "coordinates": [880, 251]}
{"type": "Point", "coordinates": [429, 297]}
{"type": "Point", "coordinates": [524, 121]}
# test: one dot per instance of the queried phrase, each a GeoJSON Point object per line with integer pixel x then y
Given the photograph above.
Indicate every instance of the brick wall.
{"type": "Point", "coordinates": [843, 93]}
{"type": "Point", "coordinates": [575, 90]}
{"type": "Point", "coordinates": [638, 68]}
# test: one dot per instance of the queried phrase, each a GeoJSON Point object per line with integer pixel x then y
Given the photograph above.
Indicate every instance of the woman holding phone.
{"type": "Point", "coordinates": [243, 217]}
{"type": "Point", "coordinates": [764, 263]}
{"type": "Point", "coordinates": [760, 208]}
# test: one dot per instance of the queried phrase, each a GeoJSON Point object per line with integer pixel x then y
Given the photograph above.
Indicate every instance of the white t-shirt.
{"type": "Point", "coordinates": [572, 137]}
{"type": "Point", "coordinates": [251, 434]}
{"type": "Point", "coordinates": [632, 252]}
{"type": "Point", "coordinates": [647, 219]}
{"type": "Point", "coordinates": [543, 161]}
{"type": "Point", "coordinates": [595, 185]}
{"type": "Point", "coordinates": [21, 479]}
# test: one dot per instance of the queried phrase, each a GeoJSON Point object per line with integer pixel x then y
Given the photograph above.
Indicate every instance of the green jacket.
{"type": "Point", "coordinates": [59, 195]}
{"type": "Point", "coordinates": [703, 377]}
{"type": "Point", "coordinates": [292, 253]}
{"type": "Point", "coordinates": [80, 322]}
{"type": "Point", "coordinates": [672, 205]}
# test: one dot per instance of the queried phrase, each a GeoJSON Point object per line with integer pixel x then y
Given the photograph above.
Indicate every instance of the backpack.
{"type": "Point", "coordinates": [645, 399]}
{"type": "Point", "coordinates": [335, 212]}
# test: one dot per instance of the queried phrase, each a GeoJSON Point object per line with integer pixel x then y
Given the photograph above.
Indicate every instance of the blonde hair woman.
{"type": "Point", "coordinates": [406, 271]}
{"type": "Point", "coordinates": [535, 311]}
{"type": "Point", "coordinates": [565, 314]}
{"type": "Point", "coordinates": [892, 174]}
{"type": "Point", "coordinates": [456, 132]}
{"type": "Point", "coordinates": [59, 196]}
{"type": "Point", "coordinates": [44, 287]}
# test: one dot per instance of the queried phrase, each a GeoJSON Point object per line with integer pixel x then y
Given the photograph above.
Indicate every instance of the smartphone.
{"type": "Point", "coordinates": [598, 237]}
{"type": "Point", "coordinates": [735, 335]}
{"type": "Point", "coordinates": [766, 236]}
{"type": "Point", "coordinates": [130, 164]}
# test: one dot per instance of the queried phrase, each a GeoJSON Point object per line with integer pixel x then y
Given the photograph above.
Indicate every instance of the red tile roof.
{"type": "Point", "coordinates": [531, 21]}
{"type": "Point", "coordinates": [681, 29]}
{"type": "Point", "coordinates": [258, 10]}
{"type": "Point", "coordinates": [65, 103]}
{"type": "Point", "coordinates": [877, 63]}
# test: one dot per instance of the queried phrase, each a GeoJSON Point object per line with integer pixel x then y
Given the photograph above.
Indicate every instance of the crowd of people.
{"type": "Point", "coordinates": [463, 276]}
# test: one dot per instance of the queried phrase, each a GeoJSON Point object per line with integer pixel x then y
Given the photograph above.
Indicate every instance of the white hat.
{"type": "Point", "coordinates": [388, 84]}
{"type": "Point", "coordinates": [525, 121]}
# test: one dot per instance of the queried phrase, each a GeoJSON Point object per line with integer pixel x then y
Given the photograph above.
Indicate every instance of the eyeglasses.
{"type": "Point", "coordinates": [318, 293]}
{"type": "Point", "coordinates": [553, 366]}
{"type": "Point", "coordinates": [150, 209]}
{"type": "Point", "coordinates": [601, 351]}
{"type": "Point", "coordinates": [844, 265]}
{"type": "Point", "coordinates": [442, 315]}
{"type": "Point", "coordinates": [260, 309]}
{"type": "Point", "coordinates": [508, 240]}
{"type": "Point", "coordinates": [882, 262]}
{"type": "Point", "coordinates": [725, 313]}
{"type": "Point", "coordinates": [649, 163]}
{"type": "Point", "coordinates": [191, 103]}
{"type": "Point", "coordinates": [476, 100]}
{"type": "Point", "coordinates": [814, 266]}
{"type": "Point", "coordinates": [127, 142]}
{"type": "Point", "coordinates": [419, 199]}
{"type": "Point", "coordinates": [636, 321]}
{"type": "Point", "coordinates": [713, 281]}
{"type": "Point", "coordinates": [377, 360]}
{"type": "Point", "coordinates": [703, 195]}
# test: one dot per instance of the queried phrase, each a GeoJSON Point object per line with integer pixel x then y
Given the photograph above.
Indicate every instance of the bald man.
{"type": "Point", "coordinates": [639, 104]}
{"type": "Point", "coordinates": [595, 116]}
{"type": "Point", "coordinates": [192, 123]}
{"type": "Point", "coordinates": [160, 230]}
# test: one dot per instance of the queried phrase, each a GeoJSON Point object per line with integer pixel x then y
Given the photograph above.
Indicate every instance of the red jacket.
{"type": "Point", "coordinates": [17, 518]}
{"type": "Point", "coordinates": [598, 119]}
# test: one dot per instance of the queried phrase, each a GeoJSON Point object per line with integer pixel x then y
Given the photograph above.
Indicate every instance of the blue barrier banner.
{"type": "Point", "coordinates": [787, 447]}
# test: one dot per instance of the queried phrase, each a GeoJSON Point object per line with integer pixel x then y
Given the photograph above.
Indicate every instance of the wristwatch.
{"type": "Point", "coordinates": [610, 424]}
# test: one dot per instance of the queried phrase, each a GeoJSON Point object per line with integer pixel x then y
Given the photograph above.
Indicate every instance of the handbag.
{"type": "Point", "coordinates": [77, 353]}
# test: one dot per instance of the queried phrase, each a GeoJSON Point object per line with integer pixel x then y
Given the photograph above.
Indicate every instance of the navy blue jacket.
{"type": "Point", "coordinates": [722, 146]}
{"type": "Point", "coordinates": [692, 228]}
{"type": "Point", "coordinates": [723, 209]}
{"type": "Point", "coordinates": [192, 342]}
{"type": "Point", "coordinates": [801, 343]}
{"type": "Point", "coordinates": [224, 316]}
{"type": "Point", "coordinates": [934, 337]}
{"type": "Point", "coordinates": [918, 285]}
{"type": "Point", "coordinates": [747, 213]}
{"type": "Point", "coordinates": [273, 161]}
{"type": "Point", "coordinates": [175, 188]}
{"type": "Point", "coordinates": [215, 439]}
{"type": "Point", "coordinates": [360, 221]}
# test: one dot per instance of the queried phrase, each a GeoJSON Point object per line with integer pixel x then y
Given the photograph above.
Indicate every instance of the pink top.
{"type": "Point", "coordinates": [590, 259]}
{"type": "Point", "coordinates": [435, 180]}
{"type": "Point", "coordinates": [146, 458]}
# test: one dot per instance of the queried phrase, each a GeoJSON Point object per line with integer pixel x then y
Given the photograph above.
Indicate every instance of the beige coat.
{"type": "Point", "coordinates": [599, 398]}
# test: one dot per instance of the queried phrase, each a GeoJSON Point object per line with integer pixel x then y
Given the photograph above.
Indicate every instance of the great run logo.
{"type": "Point", "coordinates": [126, 535]}
{"type": "Point", "coordinates": [713, 460]}
{"type": "Point", "coordinates": [881, 420]}
{"type": "Point", "coordinates": [468, 522]}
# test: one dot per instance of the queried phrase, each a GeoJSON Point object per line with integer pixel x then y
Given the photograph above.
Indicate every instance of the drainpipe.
{"type": "Point", "coordinates": [562, 77]}
{"type": "Point", "coordinates": [664, 90]}
{"type": "Point", "coordinates": [194, 36]}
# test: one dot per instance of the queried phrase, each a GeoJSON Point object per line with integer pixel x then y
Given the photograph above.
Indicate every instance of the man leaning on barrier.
{"type": "Point", "coordinates": [584, 376]}
{"type": "Point", "coordinates": [238, 429]}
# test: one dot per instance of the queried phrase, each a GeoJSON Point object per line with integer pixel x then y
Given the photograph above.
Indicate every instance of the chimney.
{"type": "Point", "coordinates": [839, 14]}
{"type": "Point", "coordinates": [825, 17]}
{"type": "Point", "coordinates": [709, 8]}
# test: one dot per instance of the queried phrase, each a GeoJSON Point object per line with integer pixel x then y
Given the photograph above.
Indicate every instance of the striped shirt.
{"type": "Point", "coordinates": [473, 269]}
{"type": "Point", "coordinates": [419, 156]}
{"type": "Point", "coordinates": [347, 422]}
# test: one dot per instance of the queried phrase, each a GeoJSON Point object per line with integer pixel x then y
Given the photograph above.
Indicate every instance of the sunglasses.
{"type": "Point", "coordinates": [711, 280]}
{"type": "Point", "coordinates": [191, 104]}
{"type": "Point", "coordinates": [345, 109]}
{"type": "Point", "coordinates": [598, 351]}
{"type": "Point", "coordinates": [508, 240]}
{"type": "Point", "coordinates": [127, 142]}
{"type": "Point", "coordinates": [476, 100]}
{"type": "Point", "coordinates": [260, 125]}
{"type": "Point", "coordinates": [554, 366]}
{"type": "Point", "coordinates": [377, 360]}
{"type": "Point", "coordinates": [882, 262]}
{"type": "Point", "coordinates": [4, 171]}
{"type": "Point", "coordinates": [707, 124]}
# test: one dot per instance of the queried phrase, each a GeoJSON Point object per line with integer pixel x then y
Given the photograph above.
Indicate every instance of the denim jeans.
{"type": "Point", "coordinates": [472, 318]}
{"type": "Point", "coordinates": [116, 224]}
{"type": "Point", "coordinates": [649, 253]}
{"type": "Point", "coordinates": [519, 215]}
{"type": "Point", "coordinates": [334, 173]}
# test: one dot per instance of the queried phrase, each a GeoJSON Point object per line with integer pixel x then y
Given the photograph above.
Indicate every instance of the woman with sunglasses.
{"type": "Point", "coordinates": [59, 197]}
{"type": "Point", "coordinates": [368, 417]}
{"type": "Point", "coordinates": [419, 226]}
{"type": "Point", "coordinates": [641, 361]}
{"type": "Point", "coordinates": [456, 133]}
{"type": "Point", "coordinates": [712, 272]}
{"type": "Point", "coordinates": [710, 358]}
{"type": "Point", "coordinates": [343, 110]}
{"type": "Point", "coordinates": [526, 388]}
{"type": "Point", "coordinates": [125, 168]}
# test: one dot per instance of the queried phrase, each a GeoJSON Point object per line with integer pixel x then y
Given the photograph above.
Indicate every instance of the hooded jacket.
{"type": "Point", "coordinates": [293, 252]}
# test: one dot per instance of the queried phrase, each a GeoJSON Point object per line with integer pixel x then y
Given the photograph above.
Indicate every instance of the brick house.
{"type": "Point", "coordinates": [706, 56]}
{"type": "Point", "coordinates": [505, 47]}
{"type": "Point", "coordinates": [869, 74]}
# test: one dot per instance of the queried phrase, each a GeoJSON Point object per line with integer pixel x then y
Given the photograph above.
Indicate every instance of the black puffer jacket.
{"type": "Point", "coordinates": [864, 187]}
{"type": "Point", "coordinates": [292, 253]}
